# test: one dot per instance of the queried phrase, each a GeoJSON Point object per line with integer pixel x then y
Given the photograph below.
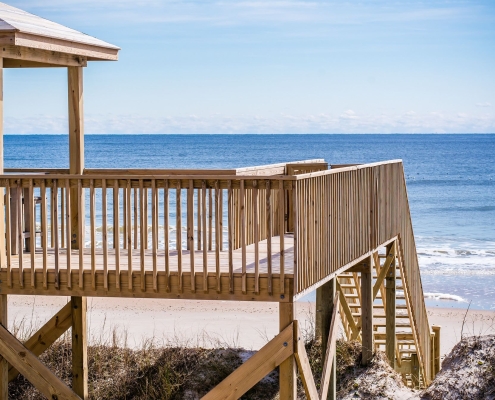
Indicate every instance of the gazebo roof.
{"type": "Point", "coordinates": [21, 29]}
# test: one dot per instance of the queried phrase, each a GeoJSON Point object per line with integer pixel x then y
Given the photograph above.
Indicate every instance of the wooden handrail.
{"type": "Point", "coordinates": [345, 213]}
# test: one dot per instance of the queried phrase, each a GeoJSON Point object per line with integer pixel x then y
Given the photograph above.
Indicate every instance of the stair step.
{"type": "Point", "coordinates": [397, 306]}
{"type": "Point", "coordinates": [397, 324]}
{"type": "Point", "coordinates": [400, 342]}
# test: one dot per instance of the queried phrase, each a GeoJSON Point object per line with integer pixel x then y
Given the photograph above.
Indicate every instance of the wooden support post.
{"type": "Point", "coordinates": [390, 311]}
{"type": "Point", "coordinates": [325, 295]}
{"type": "Point", "coordinates": [3, 252]}
{"type": "Point", "coordinates": [367, 312]}
{"type": "Point", "coordinates": [76, 147]}
{"type": "Point", "coordinates": [287, 377]}
{"type": "Point", "coordinates": [79, 347]}
{"type": "Point", "coordinates": [436, 356]}
{"type": "Point", "coordinates": [4, 365]}
{"type": "Point", "coordinates": [415, 371]}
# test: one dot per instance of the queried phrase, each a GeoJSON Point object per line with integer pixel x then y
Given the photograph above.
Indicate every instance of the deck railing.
{"type": "Point", "coordinates": [343, 215]}
{"type": "Point", "coordinates": [142, 214]}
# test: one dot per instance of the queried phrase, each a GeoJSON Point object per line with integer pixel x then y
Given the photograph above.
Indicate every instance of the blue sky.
{"type": "Point", "coordinates": [270, 67]}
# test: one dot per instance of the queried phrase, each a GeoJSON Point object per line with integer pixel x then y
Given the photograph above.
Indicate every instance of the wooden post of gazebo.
{"type": "Point", "coordinates": [30, 41]}
{"type": "Point", "coordinates": [76, 167]}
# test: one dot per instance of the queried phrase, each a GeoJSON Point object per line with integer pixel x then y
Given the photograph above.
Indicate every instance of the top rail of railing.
{"type": "Point", "coordinates": [259, 170]}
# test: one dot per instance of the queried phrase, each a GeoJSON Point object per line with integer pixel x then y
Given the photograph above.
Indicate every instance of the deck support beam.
{"type": "Point", "coordinates": [367, 312]}
{"type": "Point", "coordinates": [288, 376]}
{"type": "Point", "coordinates": [4, 365]}
{"type": "Point", "coordinates": [79, 347]}
{"type": "Point", "coordinates": [390, 309]}
{"type": "Point", "coordinates": [325, 295]}
{"type": "Point", "coordinates": [76, 145]}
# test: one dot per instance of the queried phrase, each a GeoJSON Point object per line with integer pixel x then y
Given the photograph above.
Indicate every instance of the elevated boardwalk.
{"type": "Point", "coordinates": [266, 233]}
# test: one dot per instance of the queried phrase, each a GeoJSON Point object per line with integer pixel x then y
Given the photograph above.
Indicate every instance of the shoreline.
{"type": "Point", "coordinates": [212, 323]}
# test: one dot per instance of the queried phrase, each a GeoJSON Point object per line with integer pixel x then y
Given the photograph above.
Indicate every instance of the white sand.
{"type": "Point", "coordinates": [246, 324]}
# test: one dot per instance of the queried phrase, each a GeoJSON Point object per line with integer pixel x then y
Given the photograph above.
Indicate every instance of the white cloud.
{"type": "Point", "coordinates": [485, 104]}
{"type": "Point", "coordinates": [347, 122]}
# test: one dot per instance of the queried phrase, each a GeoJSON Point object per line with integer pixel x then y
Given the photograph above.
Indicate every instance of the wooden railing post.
{"type": "Point", "coordinates": [76, 146]}
{"type": "Point", "coordinates": [436, 353]}
{"type": "Point", "coordinates": [79, 347]}
{"type": "Point", "coordinates": [325, 296]}
{"type": "Point", "coordinates": [287, 374]}
{"type": "Point", "coordinates": [390, 286]}
{"type": "Point", "coordinates": [367, 311]}
{"type": "Point", "coordinates": [4, 365]}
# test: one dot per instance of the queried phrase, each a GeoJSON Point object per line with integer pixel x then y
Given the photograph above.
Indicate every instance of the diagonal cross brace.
{"type": "Point", "coordinates": [33, 369]}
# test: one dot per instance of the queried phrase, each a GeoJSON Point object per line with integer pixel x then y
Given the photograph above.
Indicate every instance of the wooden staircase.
{"type": "Point", "coordinates": [349, 285]}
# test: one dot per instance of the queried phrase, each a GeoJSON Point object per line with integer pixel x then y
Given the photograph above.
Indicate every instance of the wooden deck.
{"type": "Point", "coordinates": [173, 259]}
{"type": "Point", "coordinates": [210, 289]}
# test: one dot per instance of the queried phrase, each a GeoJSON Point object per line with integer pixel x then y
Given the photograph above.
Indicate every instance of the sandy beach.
{"type": "Point", "coordinates": [211, 323]}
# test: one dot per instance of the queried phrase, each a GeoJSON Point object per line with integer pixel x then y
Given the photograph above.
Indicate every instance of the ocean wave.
{"type": "Point", "coordinates": [444, 296]}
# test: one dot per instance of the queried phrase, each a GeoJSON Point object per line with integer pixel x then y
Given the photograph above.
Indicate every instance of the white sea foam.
{"type": "Point", "coordinates": [444, 296]}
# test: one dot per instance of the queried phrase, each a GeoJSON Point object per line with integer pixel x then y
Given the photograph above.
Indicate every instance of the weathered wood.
{"type": "Point", "coordinates": [4, 365]}
{"type": "Point", "coordinates": [367, 313]}
{"type": "Point", "coordinates": [328, 385]}
{"type": "Point", "coordinates": [47, 334]}
{"type": "Point", "coordinates": [325, 309]}
{"type": "Point", "coordinates": [287, 371]}
{"type": "Point", "coordinates": [303, 365]}
{"type": "Point", "coordinates": [415, 371]}
{"type": "Point", "coordinates": [79, 347]}
{"type": "Point", "coordinates": [32, 369]}
{"type": "Point", "coordinates": [390, 313]}
{"type": "Point", "coordinates": [269, 357]}
{"type": "Point", "coordinates": [436, 354]}
{"type": "Point", "coordinates": [76, 147]}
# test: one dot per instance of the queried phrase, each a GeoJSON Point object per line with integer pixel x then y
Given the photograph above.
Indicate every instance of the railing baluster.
{"type": "Point", "coordinates": [220, 217]}
{"type": "Point", "coordinates": [92, 216]}
{"type": "Point", "coordinates": [8, 233]}
{"type": "Point", "coordinates": [145, 218]}
{"type": "Point", "coordinates": [210, 219]}
{"type": "Point", "coordinates": [143, 235]}
{"type": "Point", "coordinates": [190, 232]}
{"type": "Point", "coordinates": [116, 229]}
{"type": "Point", "coordinates": [217, 236]}
{"type": "Point", "coordinates": [82, 231]}
{"type": "Point", "coordinates": [243, 237]}
{"type": "Point", "coordinates": [52, 220]}
{"type": "Point", "coordinates": [32, 227]}
{"type": "Point", "coordinates": [205, 247]}
{"type": "Point", "coordinates": [125, 222]}
{"type": "Point", "coordinates": [256, 239]}
{"type": "Point", "coordinates": [281, 232]}
{"type": "Point", "coordinates": [136, 228]}
{"type": "Point", "coordinates": [230, 216]}
{"type": "Point", "coordinates": [129, 236]}
{"type": "Point", "coordinates": [166, 231]}
{"type": "Point", "coordinates": [154, 231]}
{"type": "Point", "coordinates": [198, 216]}
{"type": "Point", "coordinates": [104, 231]}
{"type": "Point", "coordinates": [68, 233]}
{"type": "Point", "coordinates": [269, 234]}
{"type": "Point", "coordinates": [20, 236]}
{"type": "Point", "coordinates": [178, 230]}
{"type": "Point", "coordinates": [62, 217]}
{"type": "Point", "coordinates": [55, 233]}
{"type": "Point", "coordinates": [44, 232]}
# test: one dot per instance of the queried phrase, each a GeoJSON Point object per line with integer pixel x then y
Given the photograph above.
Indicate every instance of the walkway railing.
{"type": "Point", "coordinates": [342, 215]}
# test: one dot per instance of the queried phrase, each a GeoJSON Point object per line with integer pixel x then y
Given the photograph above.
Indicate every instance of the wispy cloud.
{"type": "Point", "coordinates": [346, 122]}
{"type": "Point", "coordinates": [485, 104]}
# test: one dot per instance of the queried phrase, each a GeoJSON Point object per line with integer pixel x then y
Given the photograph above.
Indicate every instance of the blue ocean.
{"type": "Point", "coordinates": [450, 179]}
